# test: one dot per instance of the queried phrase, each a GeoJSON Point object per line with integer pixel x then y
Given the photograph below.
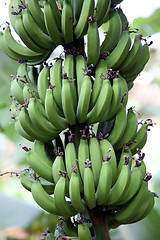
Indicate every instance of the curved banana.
{"type": "Point", "coordinates": [17, 91]}
{"type": "Point", "coordinates": [84, 99]}
{"type": "Point", "coordinates": [119, 126]}
{"type": "Point", "coordinates": [113, 33]}
{"type": "Point", "coordinates": [120, 52]}
{"type": "Point", "coordinates": [102, 9]}
{"type": "Point", "coordinates": [76, 6]}
{"type": "Point", "coordinates": [67, 21]}
{"type": "Point", "coordinates": [58, 164]}
{"type": "Point", "coordinates": [125, 155]}
{"type": "Point", "coordinates": [51, 111]}
{"type": "Point", "coordinates": [102, 104]}
{"type": "Point", "coordinates": [93, 42]}
{"type": "Point", "coordinates": [130, 130]}
{"type": "Point", "coordinates": [89, 186]}
{"type": "Point", "coordinates": [81, 67]}
{"type": "Point", "coordinates": [39, 166]}
{"type": "Point", "coordinates": [43, 199]}
{"type": "Point", "coordinates": [64, 208]}
{"type": "Point", "coordinates": [104, 183]}
{"type": "Point", "coordinates": [125, 90]}
{"type": "Point", "coordinates": [21, 131]}
{"type": "Point", "coordinates": [82, 24]}
{"type": "Point", "coordinates": [57, 13]}
{"type": "Point", "coordinates": [83, 155]}
{"type": "Point", "coordinates": [84, 232]}
{"type": "Point", "coordinates": [123, 18]}
{"type": "Point", "coordinates": [43, 82]}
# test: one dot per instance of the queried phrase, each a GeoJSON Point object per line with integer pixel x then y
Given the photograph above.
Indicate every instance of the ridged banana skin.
{"type": "Point", "coordinates": [80, 64]}
{"type": "Point", "coordinates": [35, 32]}
{"type": "Point", "coordinates": [93, 44]}
{"type": "Point", "coordinates": [96, 158]}
{"type": "Point", "coordinates": [21, 31]}
{"type": "Point", "coordinates": [104, 183]}
{"type": "Point", "coordinates": [39, 148]}
{"type": "Point", "coordinates": [84, 232]}
{"type": "Point", "coordinates": [58, 164]}
{"type": "Point", "coordinates": [82, 24]}
{"type": "Point", "coordinates": [75, 193]}
{"type": "Point", "coordinates": [125, 154]}
{"type": "Point", "coordinates": [130, 130]}
{"type": "Point", "coordinates": [116, 100]}
{"type": "Point", "coordinates": [43, 199]}
{"type": "Point", "coordinates": [43, 82]}
{"type": "Point", "coordinates": [119, 125]}
{"type": "Point", "coordinates": [84, 99]}
{"type": "Point", "coordinates": [135, 184]}
{"type": "Point", "coordinates": [120, 187]}
{"type": "Point", "coordinates": [141, 138]}
{"type": "Point", "coordinates": [57, 13]}
{"type": "Point", "coordinates": [37, 14]}
{"type": "Point", "coordinates": [39, 122]}
{"type": "Point", "coordinates": [125, 214]}
{"type": "Point", "coordinates": [124, 91]}
{"type": "Point", "coordinates": [123, 18]}
{"type": "Point", "coordinates": [101, 68]}
{"type": "Point", "coordinates": [39, 166]}
{"type": "Point", "coordinates": [120, 52]}
{"type": "Point", "coordinates": [133, 54]}
{"type": "Point", "coordinates": [27, 126]}
{"type": "Point", "coordinates": [51, 25]}
{"type": "Point", "coordinates": [69, 228]}
{"type": "Point", "coordinates": [102, 104]}
{"type": "Point", "coordinates": [76, 6]}
{"type": "Point", "coordinates": [64, 208]}
{"type": "Point", "coordinates": [12, 17]}
{"type": "Point", "coordinates": [107, 149]}
{"type": "Point", "coordinates": [83, 155]}
{"type": "Point", "coordinates": [17, 91]}
{"type": "Point", "coordinates": [102, 9]}
{"type": "Point", "coordinates": [51, 111]}
{"type": "Point", "coordinates": [139, 65]}
{"type": "Point", "coordinates": [67, 102]}
{"type": "Point", "coordinates": [69, 68]}
{"type": "Point", "coordinates": [56, 80]}
{"type": "Point", "coordinates": [23, 52]}
{"type": "Point", "coordinates": [89, 188]}
{"type": "Point", "coordinates": [113, 33]}
{"type": "Point", "coordinates": [67, 21]}
{"type": "Point", "coordinates": [21, 131]}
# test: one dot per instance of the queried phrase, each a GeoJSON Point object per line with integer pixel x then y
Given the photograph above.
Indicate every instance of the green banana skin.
{"type": "Point", "coordinates": [64, 207]}
{"type": "Point", "coordinates": [16, 91]}
{"type": "Point", "coordinates": [120, 187]}
{"type": "Point", "coordinates": [52, 114]}
{"type": "Point", "coordinates": [74, 193]}
{"type": "Point", "coordinates": [83, 154]}
{"type": "Point", "coordinates": [113, 33]}
{"type": "Point", "coordinates": [122, 17]}
{"type": "Point", "coordinates": [43, 82]}
{"type": "Point", "coordinates": [118, 129]}
{"type": "Point", "coordinates": [101, 69]}
{"type": "Point", "coordinates": [130, 130]}
{"type": "Point", "coordinates": [102, 9]}
{"type": "Point", "coordinates": [43, 199]}
{"type": "Point", "coordinates": [116, 100]}
{"type": "Point", "coordinates": [57, 13]}
{"type": "Point", "coordinates": [58, 164]}
{"type": "Point", "coordinates": [102, 104]}
{"type": "Point", "coordinates": [107, 148]}
{"type": "Point", "coordinates": [12, 17]}
{"type": "Point", "coordinates": [121, 50]}
{"type": "Point", "coordinates": [84, 99]}
{"type": "Point", "coordinates": [39, 166]}
{"type": "Point", "coordinates": [81, 66]}
{"type": "Point", "coordinates": [89, 188]}
{"type": "Point", "coordinates": [82, 24]}
{"type": "Point", "coordinates": [125, 154]}
{"type": "Point", "coordinates": [96, 158]}
{"type": "Point", "coordinates": [124, 91]}
{"type": "Point", "coordinates": [51, 25]}
{"type": "Point", "coordinates": [93, 42]}
{"type": "Point", "coordinates": [76, 6]}
{"type": "Point", "coordinates": [104, 183]}
{"type": "Point", "coordinates": [56, 80]}
{"type": "Point", "coordinates": [37, 14]}
{"type": "Point", "coordinates": [67, 22]}
{"type": "Point", "coordinates": [21, 131]}
{"type": "Point", "coordinates": [84, 232]}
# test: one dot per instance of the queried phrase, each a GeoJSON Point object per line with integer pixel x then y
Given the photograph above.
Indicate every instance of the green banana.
{"type": "Point", "coordinates": [43, 199]}
{"type": "Point", "coordinates": [93, 42]}
{"type": "Point", "coordinates": [58, 164]}
{"type": "Point", "coordinates": [84, 232]}
{"type": "Point", "coordinates": [102, 10]}
{"type": "Point", "coordinates": [125, 155]}
{"type": "Point", "coordinates": [17, 91]}
{"type": "Point", "coordinates": [57, 13]}
{"type": "Point", "coordinates": [89, 186]}
{"type": "Point", "coordinates": [21, 131]}
{"type": "Point", "coordinates": [102, 104]}
{"type": "Point", "coordinates": [113, 33]}
{"type": "Point", "coordinates": [84, 99]}
{"type": "Point", "coordinates": [67, 22]}
{"type": "Point", "coordinates": [123, 18]}
{"type": "Point", "coordinates": [76, 6]}
{"type": "Point", "coordinates": [120, 52]}
{"type": "Point", "coordinates": [83, 155]}
{"type": "Point", "coordinates": [43, 82]}
{"type": "Point", "coordinates": [81, 67]}
{"type": "Point", "coordinates": [82, 23]}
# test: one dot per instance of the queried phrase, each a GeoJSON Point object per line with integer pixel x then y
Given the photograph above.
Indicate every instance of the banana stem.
{"type": "Point", "coordinates": [100, 225]}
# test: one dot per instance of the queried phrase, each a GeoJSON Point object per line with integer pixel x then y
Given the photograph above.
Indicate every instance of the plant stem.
{"type": "Point", "coordinates": [100, 225]}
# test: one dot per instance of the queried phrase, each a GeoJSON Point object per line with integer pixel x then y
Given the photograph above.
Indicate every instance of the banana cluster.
{"type": "Point", "coordinates": [65, 182]}
{"type": "Point", "coordinates": [57, 102]}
